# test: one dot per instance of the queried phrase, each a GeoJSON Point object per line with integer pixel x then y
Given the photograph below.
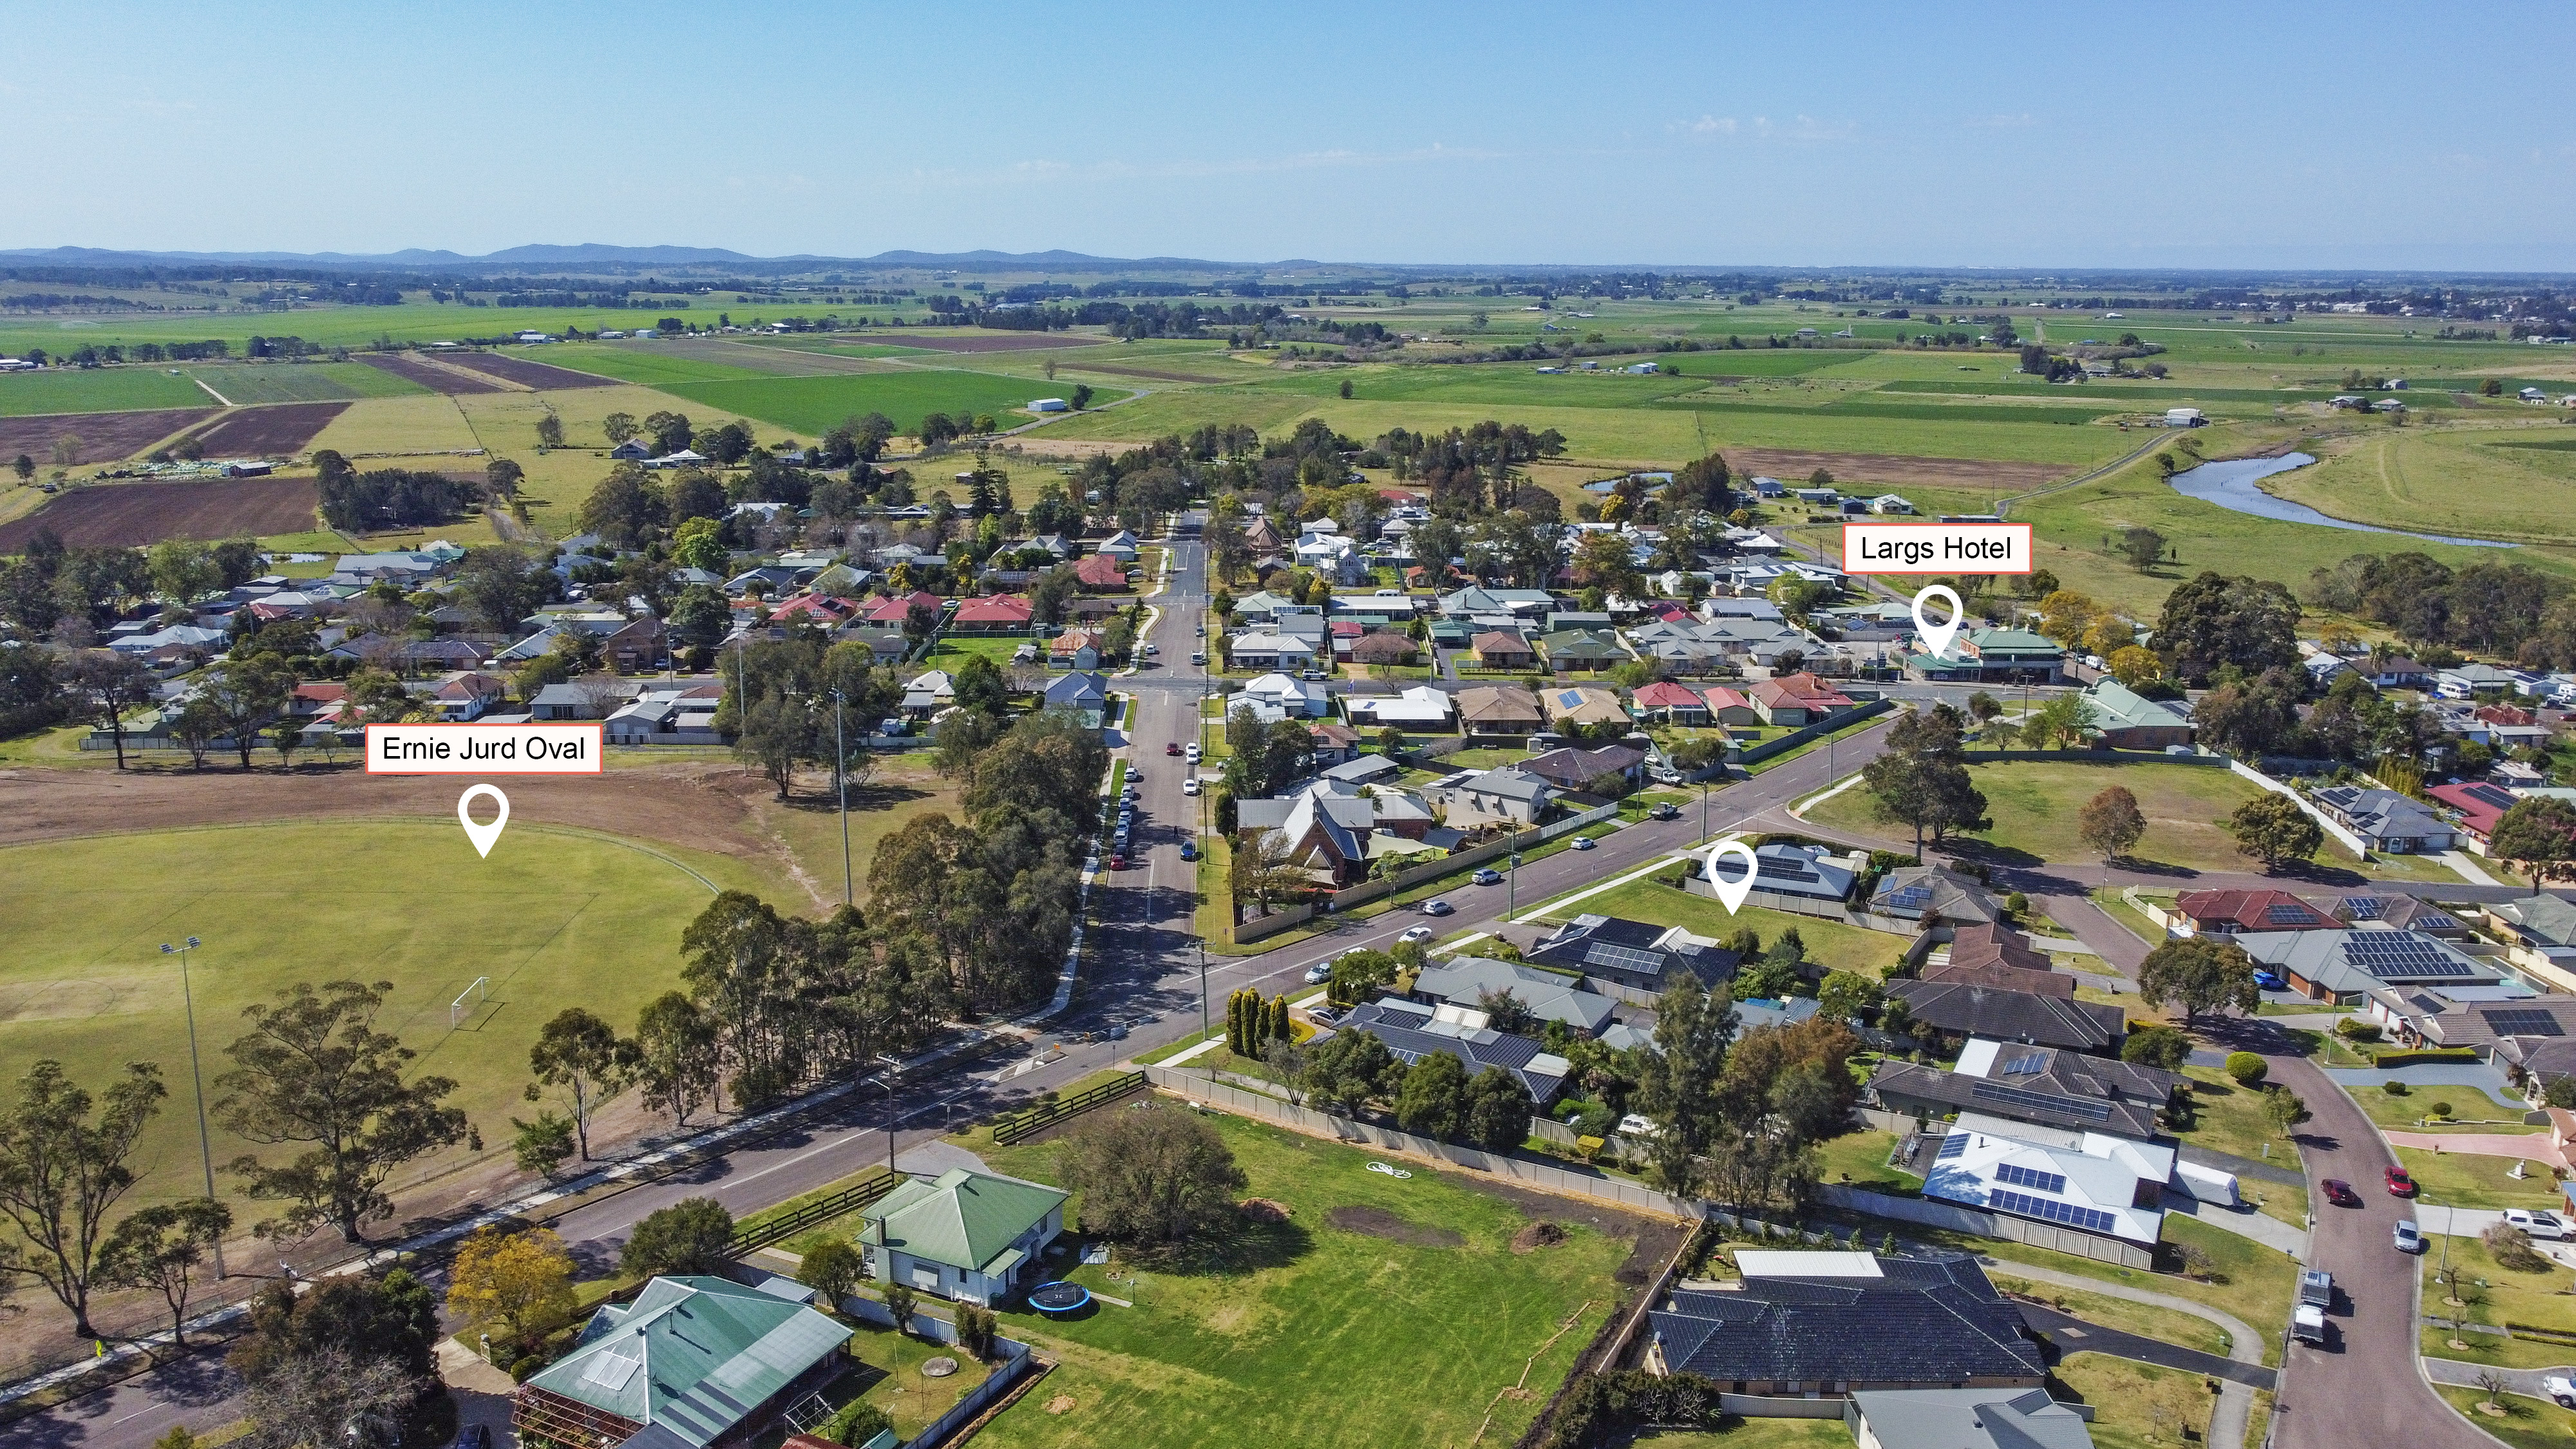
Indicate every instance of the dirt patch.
{"type": "Point", "coordinates": [540, 375]}
{"type": "Point", "coordinates": [1653, 1240]}
{"type": "Point", "coordinates": [1377, 1222]}
{"type": "Point", "coordinates": [446, 381]}
{"type": "Point", "coordinates": [1792, 465]}
{"type": "Point", "coordinates": [1541, 1234]}
{"type": "Point", "coordinates": [1060, 1404]}
{"type": "Point", "coordinates": [1007, 342]}
{"type": "Point", "coordinates": [281, 431]}
{"type": "Point", "coordinates": [1263, 1209]}
{"type": "Point", "coordinates": [105, 437]}
{"type": "Point", "coordinates": [130, 515]}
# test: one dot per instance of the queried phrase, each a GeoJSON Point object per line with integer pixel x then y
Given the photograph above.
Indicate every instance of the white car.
{"type": "Point", "coordinates": [2407, 1237]}
{"type": "Point", "coordinates": [2539, 1224]}
{"type": "Point", "coordinates": [1580, 842]}
{"type": "Point", "coordinates": [1416, 936]}
{"type": "Point", "coordinates": [1151, 650]}
{"type": "Point", "coordinates": [1191, 754]}
{"type": "Point", "coordinates": [1436, 908]}
{"type": "Point", "coordinates": [1190, 786]}
{"type": "Point", "coordinates": [1635, 1125]}
{"type": "Point", "coordinates": [2560, 1389]}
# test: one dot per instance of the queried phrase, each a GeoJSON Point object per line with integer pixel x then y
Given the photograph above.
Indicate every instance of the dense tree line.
{"type": "Point", "coordinates": [2501, 608]}
{"type": "Point", "coordinates": [385, 498]}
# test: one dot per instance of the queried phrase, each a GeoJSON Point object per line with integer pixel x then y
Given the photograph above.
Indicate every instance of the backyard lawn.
{"type": "Point", "coordinates": [2034, 804]}
{"type": "Point", "coordinates": [1832, 944]}
{"type": "Point", "coordinates": [2138, 1406]}
{"type": "Point", "coordinates": [889, 1376]}
{"type": "Point", "coordinates": [1384, 1311]}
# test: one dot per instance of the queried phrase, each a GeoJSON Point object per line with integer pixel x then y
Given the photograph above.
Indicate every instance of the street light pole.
{"type": "Point", "coordinates": [894, 1069]}
{"type": "Point", "coordinates": [1201, 943]}
{"type": "Point", "coordinates": [841, 776]}
{"type": "Point", "coordinates": [205, 1146]}
{"type": "Point", "coordinates": [1512, 887]}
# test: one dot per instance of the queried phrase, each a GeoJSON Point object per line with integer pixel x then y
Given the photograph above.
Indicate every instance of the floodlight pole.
{"type": "Point", "coordinates": [205, 1146]}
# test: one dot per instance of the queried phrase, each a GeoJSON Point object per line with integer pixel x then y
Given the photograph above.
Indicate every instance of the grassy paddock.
{"type": "Point", "coordinates": [103, 390]}
{"type": "Point", "coordinates": [2034, 804]}
{"type": "Point", "coordinates": [554, 917]}
{"type": "Point", "coordinates": [816, 405]}
{"type": "Point", "coordinates": [1272, 1337]}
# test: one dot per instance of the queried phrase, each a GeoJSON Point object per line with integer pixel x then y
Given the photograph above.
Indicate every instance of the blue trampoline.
{"type": "Point", "coordinates": [1059, 1298]}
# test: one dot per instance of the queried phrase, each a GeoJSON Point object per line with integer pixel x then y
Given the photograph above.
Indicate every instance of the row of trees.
{"type": "Point", "coordinates": [2503, 608]}
{"type": "Point", "coordinates": [1354, 1072]}
{"type": "Point", "coordinates": [385, 498]}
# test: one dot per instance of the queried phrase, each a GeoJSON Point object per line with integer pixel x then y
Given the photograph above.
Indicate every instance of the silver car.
{"type": "Point", "coordinates": [2408, 1238]}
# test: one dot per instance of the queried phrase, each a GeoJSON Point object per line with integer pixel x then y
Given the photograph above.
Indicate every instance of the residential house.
{"type": "Point", "coordinates": [1824, 1324]}
{"type": "Point", "coordinates": [1498, 649]}
{"type": "Point", "coordinates": [1421, 709]}
{"type": "Point", "coordinates": [568, 702]}
{"type": "Point", "coordinates": [1508, 796]}
{"type": "Point", "coordinates": [1384, 647]}
{"type": "Point", "coordinates": [1084, 692]}
{"type": "Point", "coordinates": [893, 610]}
{"type": "Point", "coordinates": [2394, 672]}
{"type": "Point", "coordinates": [2231, 912]}
{"type": "Point", "coordinates": [1965, 1009]}
{"type": "Point", "coordinates": [1071, 643]}
{"type": "Point", "coordinates": [1270, 651]}
{"type": "Point", "coordinates": [886, 645]}
{"type": "Point", "coordinates": [2539, 932]}
{"type": "Point", "coordinates": [1334, 741]}
{"type": "Point", "coordinates": [1605, 771]}
{"type": "Point", "coordinates": [1582, 705]}
{"type": "Point", "coordinates": [1499, 710]}
{"type": "Point", "coordinates": [692, 1363]}
{"type": "Point", "coordinates": [2127, 720]}
{"type": "Point", "coordinates": [1572, 650]}
{"type": "Point", "coordinates": [1261, 607]}
{"type": "Point", "coordinates": [929, 693]}
{"type": "Point", "coordinates": [1298, 698]}
{"type": "Point", "coordinates": [992, 614]}
{"type": "Point", "coordinates": [2467, 681]}
{"type": "Point", "coordinates": [968, 1236]}
{"type": "Point", "coordinates": [1796, 699]}
{"type": "Point", "coordinates": [1995, 955]}
{"type": "Point", "coordinates": [1963, 1419]}
{"type": "Point", "coordinates": [1413, 1031]}
{"type": "Point", "coordinates": [639, 645]}
{"type": "Point", "coordinates": [467, 695]}
{"type": "Point", "coordinates": [1644, 959]}
{"type": "Point", "coordinates": [1807, 880]}
{"type": "Point", "coordinates": [683, 715]}
{"type": "Point", "coordinates": [2343, 967]}
{"type": "Point", "coordinates": [633, 450]}
{"type": "Point", "coordinates": [1101, 573]}
{"type": "Point", "coordinates": [2386, 821]}
{"type": "Point", "coordinates": [1929, 893]}
{"type": "Point", "coordinates": [1549, 995]}
{"type": "Point", "coordinates": [2400, 913]}
{"type": "Point", "coordinates": [1672, 703]}
{"type": "Point", "coordinates": [1120, 546]}
{"type": "Point", "coordinates": [1525, 604]}
{"type": "Point", "coordinates": [2089, 1181]}
{"type": "Point", "coordinates": [1362, 770]}
{"type": "Point", "coordinates": [1730, 707]}
{"type": "Point", "coordinates": [2036, 1085]}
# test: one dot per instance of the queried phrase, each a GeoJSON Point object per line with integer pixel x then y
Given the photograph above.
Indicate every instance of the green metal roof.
{"type": "Point", "coordinates": [965, 1220]}
{"type": "Point", "coordinates": [694, 1356]}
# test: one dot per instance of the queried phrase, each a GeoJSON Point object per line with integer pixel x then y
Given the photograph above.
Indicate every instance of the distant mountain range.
{"type": "Point", "coordinates": [601, 254]}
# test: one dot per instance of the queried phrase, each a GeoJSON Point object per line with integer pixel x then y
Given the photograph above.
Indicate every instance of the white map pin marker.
{"type": "Point", "coordinates": [1938, 635]}
{"type": "Point", "coordinates": [482, 835]}
{"type": "Point", "coordinates": [1731, 892]}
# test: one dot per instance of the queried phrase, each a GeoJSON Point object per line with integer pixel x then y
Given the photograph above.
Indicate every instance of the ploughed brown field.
{"type": "Point", "coordinates": [280, 431]}
{"type": "Point", "coordinates": [130, 515]}
{"type": "Point", "coordinates": [540, 375]}
{"type": "Point", "coordinates": [1008, 342]}
{"type": "Point", "coordinates": [105, 437]}
{"type": "Point", "coordinates": [1794, 466]}
{"type": "Point", "coordinates": [444, 380]}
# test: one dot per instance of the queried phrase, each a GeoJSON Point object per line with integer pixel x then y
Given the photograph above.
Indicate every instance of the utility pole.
{"type": "Point", "coordinates": [1201, 943]}
{"type": "Point", "coordinates": [205, 1147]}
{"type": "Point", "coordinates": [894, 1069]}
{"type": "Point", "coordinates": [841, 778]}
{"type": "Point", "coordinates": [1512, 887]}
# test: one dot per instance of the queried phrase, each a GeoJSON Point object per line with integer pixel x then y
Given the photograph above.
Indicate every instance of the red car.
{"type": "Point", "coordinates": [1172, 748]}
{"type": "Point", "coordinates": [2340, 1193]}
{"type": "Point", "coordinates": [1117, 862]}
{"type": "Point", "coordinates": [2399, 1184]}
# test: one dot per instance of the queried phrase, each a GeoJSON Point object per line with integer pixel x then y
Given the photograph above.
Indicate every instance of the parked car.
{"type": "Point", "coordinates": [1415, 936]}
{"type": "Point", "coordinates": [1189, 850]}
{"type": "Point", "coordinates": [1487, 876]}
{"type": "Point", "coordinates": [1319, 973]}
{"type": "Point", "coordinates": [2537, 1223]}
{"type": "Point", "coordinates": [2270, 981]}
{"type": "Point", "coordinates": [1190, 786]}
{"type": "Point", "coordinates": [2560, 1389]}
{"type": "Point", "coordinates": [2340, 1193]}
{"type": "Point", "coordinates": [1150, 650]}
{"type": "Point", "coordinates": [1436, 908]}
{"type": "Point", "coordinates": [2399, 1184]}
{"type": "Point", "coordinates": [1198, 656]}
{"type": "Point", "coordinates": [1665, 810]}
{"type": "Point", "coordinates": [1172, 747]}
{"type": "Point", "coordinates": [1635, 1125]}
{"type": "Point", "coordinates": [2408, 1237]}
{"type": "Point", "coordinates": [1580, 842]}
{"type": "Point", "coordinates": [1117, 862]}
{"type": "Point", "coordinates": [1191, 754]}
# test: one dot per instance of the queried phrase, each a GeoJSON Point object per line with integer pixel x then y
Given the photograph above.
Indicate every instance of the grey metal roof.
{"type": "Point", "coordinates": [1932, 1321]}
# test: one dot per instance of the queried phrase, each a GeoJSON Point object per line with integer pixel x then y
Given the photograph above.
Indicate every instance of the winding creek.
{"type": "Point", "coordinates": [2235, 483]}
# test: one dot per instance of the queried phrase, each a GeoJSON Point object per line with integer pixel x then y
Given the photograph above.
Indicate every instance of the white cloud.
{"type": "Point", "coordinates": [1705, 126]}
{"type": "Point", "coordinates": [2012, 122]}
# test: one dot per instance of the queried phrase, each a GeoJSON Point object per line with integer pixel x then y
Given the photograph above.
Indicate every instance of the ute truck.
{"type": "Point", "coordinates": [2308, 1319]}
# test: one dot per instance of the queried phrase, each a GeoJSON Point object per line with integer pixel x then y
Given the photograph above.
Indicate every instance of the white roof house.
{"type": "Point", "coordinates": [2087, 1181]}
{"type": "Point", "coordinates": [1421, 708]}
{"type": "Point", "coordinates": [1285, 692]}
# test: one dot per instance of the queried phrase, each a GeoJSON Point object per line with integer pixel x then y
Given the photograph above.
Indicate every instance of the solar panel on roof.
{"type": "Point", "coordinates": [2364, 908]}
{"type": "Point", "coordinates": [2288, 915]}
{"type": "Point", "coordinates": [2017, 1176]}
{"type": "Point", "coordinates": [1623, 958]}
{"type": "Point", "coordinates": [1954, 1145]}
{"type": "Point", "coordinates": [2081, 1108]}
{"type": "Point", "coordinates": [2090, 1219]}
{"type": "Point", "coordinates": [2023, 1065]}
{"type": "Point", "coordinates": [2522, 1023]}
{"type": "Point", "coordinates": [2493, 795]}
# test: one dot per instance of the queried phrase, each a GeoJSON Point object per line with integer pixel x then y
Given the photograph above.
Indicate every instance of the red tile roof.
{"type": "Point", "coordinates": [2253, 911]}
{"type": "Point", "coordinates": [2480, 804]}
{"type": "Point", "coordinates": [822, 608]}
{"type": "Point", "coordinates": [1101, 571]}
{"type": "Point", "coordinates": [1721, 697]}
{"type": "Point", "coordinates": [1664, 694]}
{"type": "Point", "coordinates": [1799, 689]}
{"type": "Point", "coordinates": [997, 609]}
{"type": "Point", "coordinates": [895, 609]}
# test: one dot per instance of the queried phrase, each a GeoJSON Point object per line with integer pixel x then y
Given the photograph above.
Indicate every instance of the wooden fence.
{"type": "Point", "coordinates": [1037, 1119]}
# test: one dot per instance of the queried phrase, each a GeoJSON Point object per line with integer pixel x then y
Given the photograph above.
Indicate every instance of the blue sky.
{"type": "Point", "coordinates": [1943, 135]}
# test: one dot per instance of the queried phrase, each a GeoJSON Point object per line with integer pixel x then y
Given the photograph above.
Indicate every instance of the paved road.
{"type": "Point", "coordinates": [2362, 1387]}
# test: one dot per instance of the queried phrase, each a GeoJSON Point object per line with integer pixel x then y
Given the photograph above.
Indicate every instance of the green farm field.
{"type": "Point", "coordinates": [1310, 1334]}
{"type": "Point", "coordinates": [263, 382]}
{"type": "Point", "coordinates": [554, 916]}
{"type": "Point", "coordinates": [2486, 480]}
{"type": "Point", "coordinates": [816, 405]}
{"type": "Point", "coordinates": [97, 390]}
